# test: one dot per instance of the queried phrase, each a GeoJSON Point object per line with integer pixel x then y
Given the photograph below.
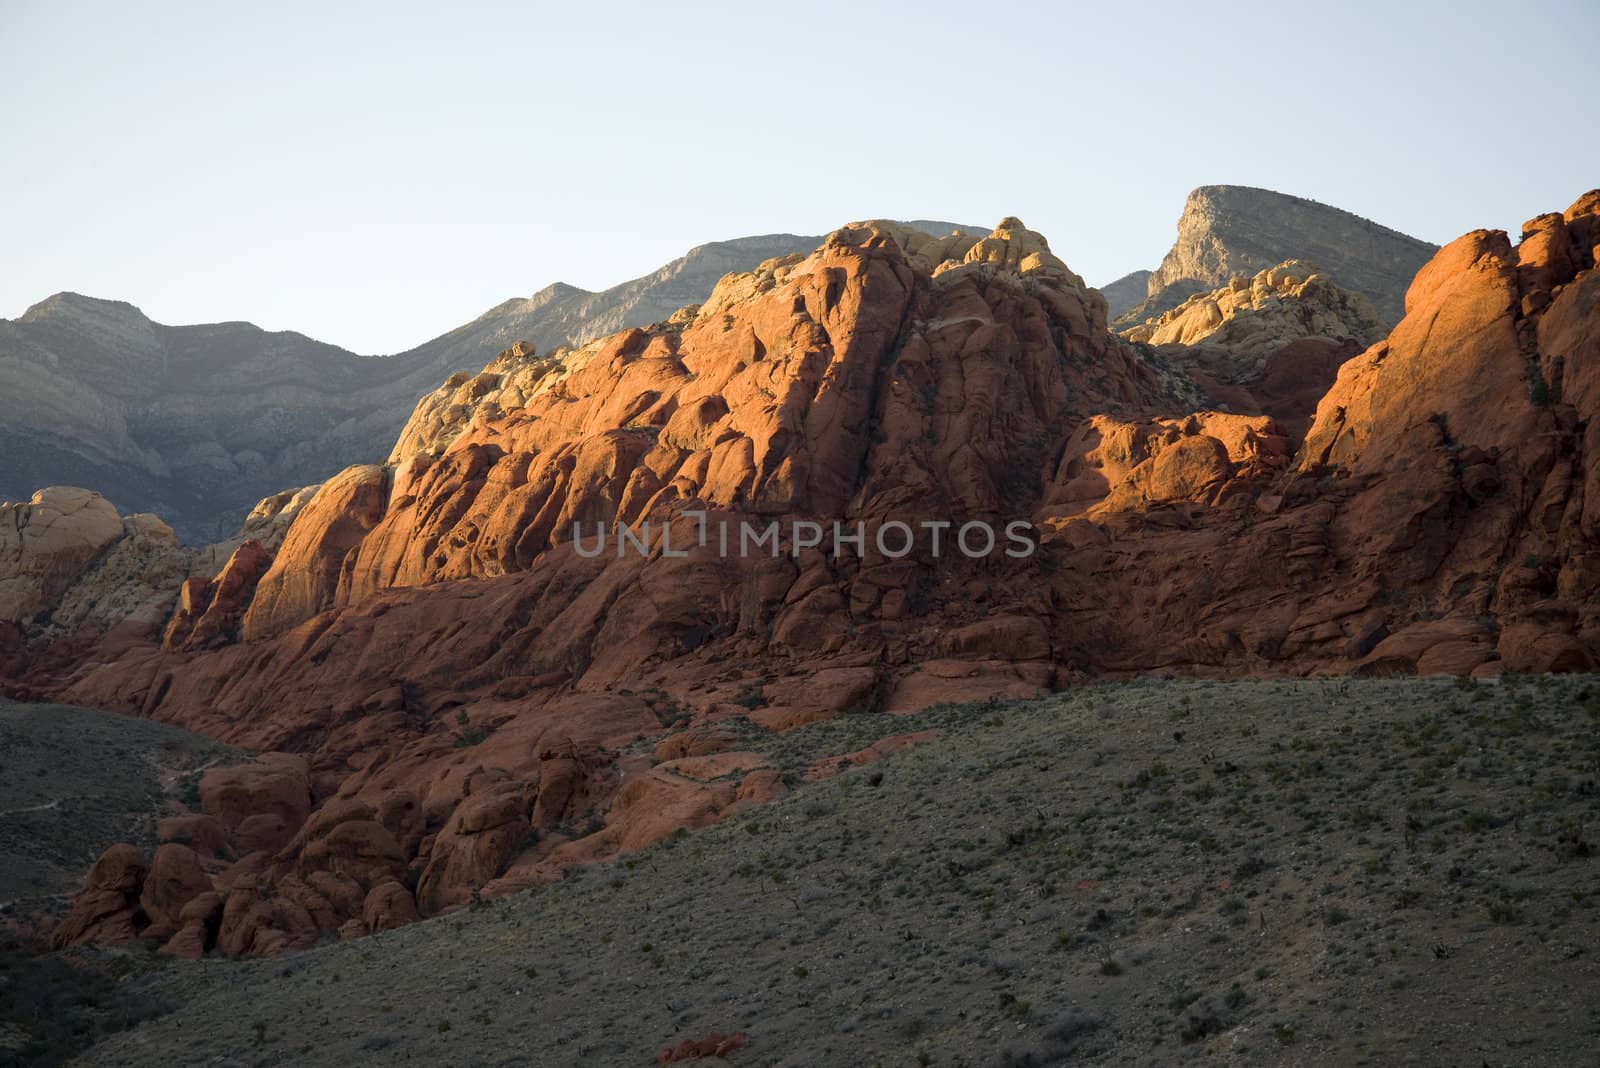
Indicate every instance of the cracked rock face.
{"type": "Point", "coordinates": [46, 543]}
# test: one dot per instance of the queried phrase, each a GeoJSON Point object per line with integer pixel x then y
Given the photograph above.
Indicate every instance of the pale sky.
{"type": "Point", "coordinates": [380, 174]}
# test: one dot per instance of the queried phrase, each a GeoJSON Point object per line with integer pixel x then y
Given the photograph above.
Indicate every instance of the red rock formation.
{"type": "Point", "coordinates": [831, 766]}
{"type": "Point", "coordinates": [459, 676]}
{"type": "Point", "coordinates": [210, 610]}
{"type": "Point", "coordinates": [175, 878]}
{"type": "Point", "coordinates": [107, 910]}
{"type": "Point", "coordinates": [276, 788]}
{"type": "Point", "coordinates": [484, 833]}
{"type": "Point", "coordinates": [1467, 431]}
{"type": "Point", "coordinates": [197, 926]}
{"type": "Point", "coordinates": [387, 906]}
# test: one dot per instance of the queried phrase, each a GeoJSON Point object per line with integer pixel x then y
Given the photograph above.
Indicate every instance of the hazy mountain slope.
{"type": "Point", "coordinates": [1126, 292]}
{"type": "Point", "coordinates": [197, 423]}
{"type": "Point", "coordinates": [562, 314]}
{"type": "Point", "coordinates": [1227, 230]}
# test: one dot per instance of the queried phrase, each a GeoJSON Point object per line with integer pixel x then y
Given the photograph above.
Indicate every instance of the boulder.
{"type": "Point", "coordinates": [275, 787]}
{"type": "Point", "coordinates": [47, 543]}
{"type": "Point", "coordinates": [387, 906]}
{"type": "Point", "coordinates": [483, 834]}
{"type": "Point", "coordinates": [175, 878]}
{"type": "Point", "coordinates": [108, 909]}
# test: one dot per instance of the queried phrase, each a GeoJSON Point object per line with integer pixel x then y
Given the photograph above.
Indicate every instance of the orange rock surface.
{"type": "Point", "coordinates": [463, 686]}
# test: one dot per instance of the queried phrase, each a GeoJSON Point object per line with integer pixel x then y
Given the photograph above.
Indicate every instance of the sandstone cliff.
{"type": "Point", "coordinates": [78, 581]}
{"type": "Point", "coordinates": [467, 702]}
{"type": "Point", "coordinates": [887, 373]}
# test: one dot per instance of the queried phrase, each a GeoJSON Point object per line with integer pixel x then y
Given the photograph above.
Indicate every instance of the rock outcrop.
{"type": "Point", "coordinates": [1269, 344]}
{"type": "Point", "coordinates": [1471, 430]}
{"type": "Point", "coordinates": [210, 610]}
{"type": "Point", "coordinates": [477, 699]}
{"type": "Point", "coordinates": [1229, 230]}
{"type": "Point", "coordinates": [108, 908]}
{"type": "Point", "coordinates": [76, 579]}
{"type": "Point", "coordinates": [889, 373]}
{"type": "Point", "coordinates": [1254, 316]}
{"type": "Point", "coordinates": [47, 543]}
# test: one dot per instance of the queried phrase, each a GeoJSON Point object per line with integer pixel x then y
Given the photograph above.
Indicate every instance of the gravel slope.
{"type": "Point", "coordinates": [74, 781]}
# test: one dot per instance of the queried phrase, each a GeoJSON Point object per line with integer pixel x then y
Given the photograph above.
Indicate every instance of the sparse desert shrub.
{"type": "Point", "coordinates": [1502, 910]}
{"type": "Point", "coordinates": [1199, 1025]}
{"type": "Point", "coordinates": [1059, 1040]}
{"type": "Point", "coordinates": [471, 737]}
{"type": "Point", "coordinates": [52, 1007]}
{"type": "Point", "coordinates": [1251, 865]}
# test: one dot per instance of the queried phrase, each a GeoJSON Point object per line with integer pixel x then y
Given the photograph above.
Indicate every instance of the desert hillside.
{"type": "Point", "coordinates": [75, 781]}
{"type": "Point", "coordinates": [1256, 873]}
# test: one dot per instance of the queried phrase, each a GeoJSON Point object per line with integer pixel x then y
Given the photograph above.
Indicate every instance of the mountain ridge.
{"type": "Point", "coordinates": [198, 422]}
{"type": "Point", "coordinates": [1228, 230]}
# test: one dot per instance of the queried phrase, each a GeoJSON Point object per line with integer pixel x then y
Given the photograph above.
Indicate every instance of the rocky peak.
{"type": "Point", "coordinates": [822, 384]}
{"type": "Point", "coordinates": [1010, 247]}
{"type": "Point", "coordinates": [90, 323]}
{"type": "Point", "coordinates": [518, 375]}
{"type": "Point", "coordinates": [1228, 230]}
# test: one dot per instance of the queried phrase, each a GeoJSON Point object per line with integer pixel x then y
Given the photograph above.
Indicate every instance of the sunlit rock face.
{"type": "Point", "coordinates": [452, 674]}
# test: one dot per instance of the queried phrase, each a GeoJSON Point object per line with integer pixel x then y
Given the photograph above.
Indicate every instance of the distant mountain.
{"type": "Point", "coordinates": [197, 423]}
{"type": "Point", "coordinates": [1126, 292]}
{"type": "Point", "coordinates": [1228, 230]}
